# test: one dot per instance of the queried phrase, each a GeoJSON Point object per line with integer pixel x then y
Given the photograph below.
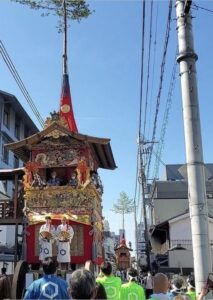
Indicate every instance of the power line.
{"type": "Point", "coordinates": [168, 27]}
{"type": "Point", "coordinates": [20, 83]}
{"type": "Point", "coordinates": [148, 67]}
{"type": "Point", "coordinates": [153, 67]}
{"type": "Point", "coordinates": [142, 68]}
{"type": "Point", "coordinates": [165, 118]}
{"type": "Point", "coordinates": [197, 7]}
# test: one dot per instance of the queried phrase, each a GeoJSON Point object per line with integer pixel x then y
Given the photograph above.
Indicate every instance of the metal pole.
{"type": "Point", "coordinates": [144, 204]}
{"type": "Point", "coordinates": [136, 235]}
{"type": "Point", "coordinates": [193, 143]}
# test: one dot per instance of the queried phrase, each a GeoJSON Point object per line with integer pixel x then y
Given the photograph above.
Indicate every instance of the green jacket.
{"type": "Point", "coordinates": [132, 291]}
{"type": "Point", "coordinates": [112, 286]}
{"type": "Point", "coordinates": [191, 294]}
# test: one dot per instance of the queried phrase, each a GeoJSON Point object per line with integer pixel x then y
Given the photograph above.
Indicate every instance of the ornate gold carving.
{"type": "Point", "coordinates": [57, 157]}
{"type": "Point", "coordinates": [60, 199]}
{"type": "Point", "coordinates": [60, 121]}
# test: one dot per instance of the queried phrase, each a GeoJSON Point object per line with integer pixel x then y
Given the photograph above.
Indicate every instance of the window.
{"type": "Point", "coordinates": [16, 162]}
{"type": "Point", "coordinates": [5, 152]}
{"type": "Point", "coordinates": [17, 128]}
{"type": "Point", "coordinates": [26, 132]}
{"type": "Point", "coordinates": [6, 116]}
{"type": "Point", "coordinates": [5, 185]}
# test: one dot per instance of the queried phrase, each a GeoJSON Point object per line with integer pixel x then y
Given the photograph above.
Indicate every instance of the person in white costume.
{"type": "Point", "coordinates": [46, 239]}
{"type": "Point", "coordinates": [65, 234]}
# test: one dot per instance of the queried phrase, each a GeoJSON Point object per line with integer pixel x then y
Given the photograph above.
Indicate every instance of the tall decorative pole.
{"type": "Point", "coordinates": [65, 39]}
{"type": "Point", "coordinates": [66, 109]}
{"type": "Point", "coordinates": [193, 143]}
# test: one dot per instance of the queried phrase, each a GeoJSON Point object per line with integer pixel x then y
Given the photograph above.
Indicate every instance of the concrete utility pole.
{"type": "Point", "coordinates": [193, 143]}
{"type": "Point", "coordinates": [143, 179]}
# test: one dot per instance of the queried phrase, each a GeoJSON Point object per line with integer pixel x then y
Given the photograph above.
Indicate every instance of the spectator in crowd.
{"type": "Point", "coordinates": [177, 287]}
{"type": "Point", "coordinates": [49, 286]}
{"type": "Point", "coordinates": [132, 290]}
{"type": "Point", "coordinates": [82, 285]}
{"type": "Point", "coordinates": [5, 285]}
{"type": "Point", "coordinates": [148, 284]}
{"type": "Point", "coordinates": [191, 288]}
{"type": "Point", "coordinates": [112, 284]}
{"type": "Point", "coordinates": [160, 287]}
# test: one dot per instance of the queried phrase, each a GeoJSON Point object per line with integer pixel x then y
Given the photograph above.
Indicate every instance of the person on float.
{"type": "Point", "coordinates": [54, 181]}
{"type": "Point", "coordinates": [64, 234]}
{"type": "Point", "coordinates": [46, 238]}
{"type": "Point", "coordinates": [73, 182]}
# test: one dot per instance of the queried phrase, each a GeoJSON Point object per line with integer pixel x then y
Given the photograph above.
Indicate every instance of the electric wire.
{"type": "Point", "coordinates": [20, 83]}
{"type": "Point", "coordinates": [165, 117]}
{"type": "Point", "coordinates": [197, 7]}
{"type": "Point", "coordinates": [153, 66]}
{"type": "Point", "coordinates": [148, 68]}
{"type": "Point", "coordinates": [142, 70]}
{"type": "Point", "coordinates": [141, 95]}
{"type": "Point", "coordinates": [168, 27]}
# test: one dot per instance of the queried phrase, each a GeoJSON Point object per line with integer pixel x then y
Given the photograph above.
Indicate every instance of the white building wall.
{"type": "Point", "coordinates": [180, 230]}
{"type": "Point", "coordinates": [165, 209]}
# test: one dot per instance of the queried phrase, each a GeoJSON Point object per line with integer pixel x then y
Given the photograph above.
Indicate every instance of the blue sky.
{"type": "Point", "coordinates": [104, 67]}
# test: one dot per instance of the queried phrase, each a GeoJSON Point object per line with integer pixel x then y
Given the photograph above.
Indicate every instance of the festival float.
{"type": "Point", "coordinates": [122, 255]}
{"type": "Point", "coordinates": [74, 158]}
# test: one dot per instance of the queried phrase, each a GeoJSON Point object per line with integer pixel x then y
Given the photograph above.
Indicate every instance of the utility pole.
{"type": "Point", "coordinates": [136, 235]}
{"type": "Point", "coordinates": [193, 143]}
{"type": "Point", "coordinates": [143, 179]}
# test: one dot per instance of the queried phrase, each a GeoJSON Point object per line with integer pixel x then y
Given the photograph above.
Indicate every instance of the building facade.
{"type": "Point", "coordinates": [15, 124]}
{"type": "Point", "coordinates": [170, 232]}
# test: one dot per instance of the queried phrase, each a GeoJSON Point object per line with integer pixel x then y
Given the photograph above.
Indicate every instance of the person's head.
{"type": "Point", "coordinates": [74, 175]}
{"type": "Point", "coordinates": [106, 268]}
{"type": "Point", "coordinates": [3, 270]}
{"type": "Point", "coordinates": [177, 282]}
{"type": "Point", "coordinates": [48, 219]}
{"type": "Point", "coordinates": [191, 282]}
{"type": "Point", "coordinates": [132, 274]}
{"type": "Point", "coordinates": [161, 283]}
{"type": "Point", "coordinates": [53, 174]}
{"type": "Point", "coordinates": [82, 284]}
{"type": "Point", "coordinates": [49, 266]}
{"type": "Point", "coordinates": [63, 220]}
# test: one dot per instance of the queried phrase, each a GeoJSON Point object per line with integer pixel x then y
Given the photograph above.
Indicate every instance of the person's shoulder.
{"type": "Point", "coordinates": [125, 285]}
{"type": "Point", "coordinates": [61, 280]}
{"type": "Point", "coordinates": [100, 279]}
{"type": "Point", "coordinates": [116, 278]}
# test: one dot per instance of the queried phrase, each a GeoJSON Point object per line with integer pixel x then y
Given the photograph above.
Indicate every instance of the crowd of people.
{"type": "Point", "coordinates": [84, 285]}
